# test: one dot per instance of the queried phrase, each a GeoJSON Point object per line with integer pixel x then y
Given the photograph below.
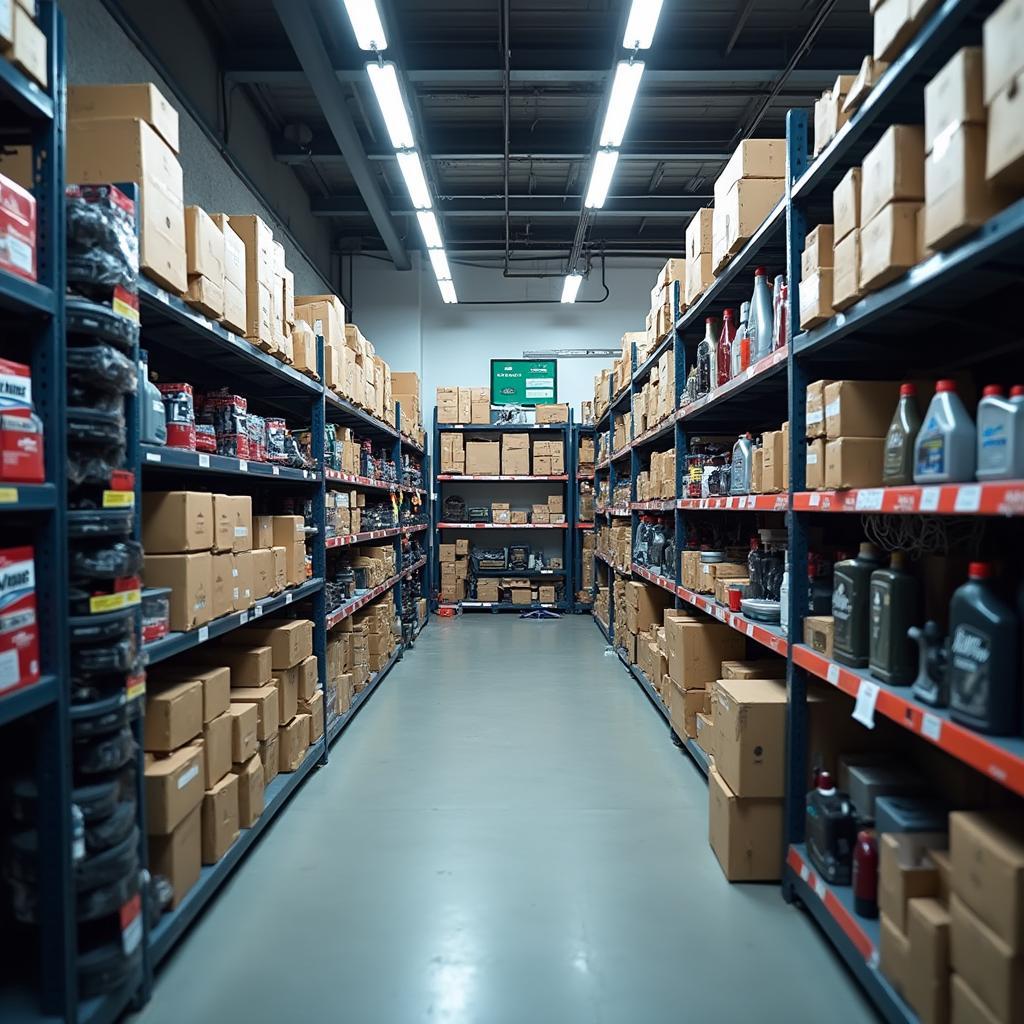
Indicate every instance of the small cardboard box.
{"type": "Point", "coordinates": [985, 962]}
{"type": "Point", "coordinates": [554, 413]}
{"type": "Point", "coordinates": [178, 855]}
{"type": "Point", "coordinates": [846, 204]}
{"type": "Point", "coordinates": [293, 741]}
{"type": "Point", "coordinates": [818, 246]}
{"type": "Point", "coordinates": [905, 872]}
{"type": "Point", "coordinates": [888, 245]}
{"type": "Point", "coordinates": [290, 641]}
{"type": "Point", "coordinates": [819, 634]}
{"type": "Point", "coordinates": [216, 749]}
{"type": "Point", "coordinates": [250, 791]}
{"type": "Point", "coordinates": [816, 299]}
{"type": "Point", "coordinates": [699, 234]}
{"type": "Point", "coordinates": [244, 726]}
{"type": "Point", "coordinates": [177, 521]}
{"type": "Point", "coordinates": [174, 787]}
{"type": "Point", "coordinates": [220, 818]}
{"type": "Point", "coordinates": [846, 288]}
{"type": "Point", "coordinates": [854, 462]}
{"type": "Point", "coordinates": [815, 408]}
{"type": "Point", "coordinates": [859, 408]}
{"type": "Point", "coordinates": [266, 702]}
{"type": "Point", "coordinates": [815, 468]}
{"type": "Point", "coordinates": [190, 578]}
{"type": "Point", "coordinates": [174, 716]}
{"type": "Point", "coordinates": [750, 717]}
{"type": "Point", "coordinates": [745, 834]}
{"type": "Point", "coordinates": [893, 171]}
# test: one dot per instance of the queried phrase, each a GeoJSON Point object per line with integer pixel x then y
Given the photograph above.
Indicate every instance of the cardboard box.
{"type": "Point", "coordinates": [699, 236]}
{"type": "Point", "coordinates": [291, 641]}
{"type": "Point", "coordinates": [986, 963]}
{"type": "Point", "coordinates": [818, 246]}
{"type": "Point", "coordinates": [750, 719]}
{"type": "Point", "coordinates": [307, 678]}
{"type": "Point", "coordinates": [955, 96]}
{"type": "Point", "coordinates": [859, 408]}
{"type": "Point", "coordinates": [846, 289]}
{"type": "Point", "coordinates": [554, 413]}
{"type": "Point", "coordinates": [222, 569]}
{"type": "Point", "coordinates": [177, 521]}
{"type": "Point", "coordinates": [250, 791]}
{"type": "Point", "coordinates": [888, 245]}
{"type": "Point", "coordinates": [234, 296]}
{"type": "Point", "coordinates": [816, 299]}
{"type": "Point", "coordinates": [223, 522]}
{"type": "Point", "coordinates": [696, 651]}
{"type": "Point", "coordinates": [244, 726]}
{"type": "Point", "coordinates": [220, 818]}
{"type": "Point", "coordinates": [204, 247]}
{"type": "Point", "coordinates": [266, 702]}
{"type": "Point", "coordinates": [987, 853]}
{"type": "Point", "coordinates": [313, 709]}
{"type": "Point", "coordinates": [740, 213]}
{"type": "Point", "coordinates": [263, 572]}
{"type": "Point", "coordinates": [128, 149]}
{"type": "Point", "coordinates": [868, 77]}
{"type": "Point", "coordinates": [178, 855]}
{"type": "Point", "coordinates": [142, 100]}
{"type": "Point", "coordinates": [1003, 56]}
{"type": "Point", "coordinates": [483, 458]}
{"type": "Point", "coordinates": [763, 668]}
{"type": "Point", "coordinates": [893, 171]}
{"type": "Point", "coordinates": [846, 204]}
{"type": "Point", "coordinates": [699, 276]}
{"type": "Point", "coordinates": [893, 954]}
{"type": "Point", "coordinates": [174, 786]}
{"type": "Point", "coordinates": [745, 834]}
{"type": "Point", "coordinates": [894, 27]}
{"type": "Point", "coordinates": [958, 199]}
{"type": "Point", "coordinates": [250, 666]}
{"type": "Point", "coordinates": [190, 578]}
{"type": "Point", "coordinates": [206, 296]}
{"type": "Point", "coordinates": [815, 467]}
{"type": "Point", "coordinates": [927, 979]}
{"type": "Point", "coordinates": [259, 277]}
{"type": "Point", "coordinates": [815, 408]}
{"type": "Point", "coordinates": [905, 872]}
{"type": "Point", "coordinates": [854, 462]}
{"type": "Point", "coordinates": [287, 683]}
{"type": "Point", "coordinates": [269, 756]}
{"type": "Point", "coordinates": [819, 633]}
{"type": "Point", "coordinates": [753, 158]}
{"type": "Point", "coordinates": [293, 741]}
{"type": "Point", "coordinates": [174, 716]}
{"type": "Point", "coordinates": [216, 749]}
{"type": "Point", "coordinates": [684, 706]}
{"type": "Point", "coordinates": [967, 1007]}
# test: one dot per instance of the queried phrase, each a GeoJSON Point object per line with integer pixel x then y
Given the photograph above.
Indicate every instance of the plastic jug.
{"type": "Point", "coordinates": [898, 468]}
{"type": "Point", "coordinates": [154, 415]}
{"type": "Point", "coordinates": [762, 320]}
{"type": "Point", "coordinates": [742, 456]}
{"type": "Point", "coordinates": [984, 656]}
{"type": "Point", "coordinates": [892, 655]}
{"type": "Point", "coordinates": [851, 585]}
{"type": "Point", "coordinates": [1001, 434]}
{"type": "Point", "coordinates": [946, 447]}
{"type": "Point", "coordinates": [723, 352]}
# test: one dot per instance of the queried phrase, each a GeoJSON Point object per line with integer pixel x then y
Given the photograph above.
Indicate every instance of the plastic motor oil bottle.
{"type": "Point", "coordinates": [946, 447]}
{"type": "Point", "coordinates": [892, 655]}
{"type": "Point", "coordinates": [898, 467]}
{"type": "Point", "coordinates": [762, 320]}
{"type": "Point", "coordinates": [742, 455]}
{"type": "Point", "coordinates": [851, 586]}
{"type": "Point", "coordinates": [984, 656]}
{"type": "Point", "coordinates": [1001, 434]}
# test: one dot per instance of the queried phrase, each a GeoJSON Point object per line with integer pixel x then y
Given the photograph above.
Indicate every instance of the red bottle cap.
{"type": "Point", "coordinates": [991, 391]}
{"type": "Point", "coordinates": [1017, 391]}
{"type": "Point", "coordinates": [980, 571]}
{"type": "Point", "coordinates": [907, 391]}
{"type": "Point", "coordinates": [728, 314]}
{"type": "Point", "coordinates": [761, 272]}
{"type": "Point", "coordinates": [945, 385]}
{"type": "Point", "coordinates": [825, 783]}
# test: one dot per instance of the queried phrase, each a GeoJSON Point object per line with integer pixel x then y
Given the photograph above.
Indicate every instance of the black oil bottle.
{"type": "Point", "coordinates": [894, 601]}
{"type": "Point", "coordinates": [851, 584]}
{"type": "Point", "coordinates": [984, 656]}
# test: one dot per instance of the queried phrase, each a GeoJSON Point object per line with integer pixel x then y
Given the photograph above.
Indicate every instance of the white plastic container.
{"type": "Point", "coordinates": [1001, 434]}
{"type": "Point", "coordinates": [946, 449]}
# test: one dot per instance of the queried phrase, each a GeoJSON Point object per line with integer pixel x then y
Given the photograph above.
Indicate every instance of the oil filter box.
{"type": "Point", "coordinates": [19, 630]}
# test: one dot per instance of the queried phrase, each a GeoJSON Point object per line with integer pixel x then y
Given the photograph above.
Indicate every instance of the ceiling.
{"type": "Point", "coordinates": [717, 73]}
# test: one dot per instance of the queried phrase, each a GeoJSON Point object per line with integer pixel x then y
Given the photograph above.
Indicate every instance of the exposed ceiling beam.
{"type": "Point", "coordinates": [531, 207]}
{"type": "Point", "coordinates": [307, 42]}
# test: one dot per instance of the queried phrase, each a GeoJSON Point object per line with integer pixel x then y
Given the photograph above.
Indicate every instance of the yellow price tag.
{"type": "Point", "coordinates": [8, 495]}
{"type": "Point", "coordinates": [118, 499]}
{"type": "Point", "coordinates": [135, 687]}
{"type": "Point", "coordinates": [114, 602]}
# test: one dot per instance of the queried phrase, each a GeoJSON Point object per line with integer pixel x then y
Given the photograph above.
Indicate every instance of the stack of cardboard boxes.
{"type": "Point", "coordinates": [667, 302]}
{"type": "Point", "coordinates": [464, 405]}
{"type": "Point", "coordinates": [379, 620]}
{"type": "Point", "coordinates": [589, 546]}
{"type": "Point", "coordinates": [1004, 71]}
{"type": "Point", "coordinates": [406, 392]}
{"type": "Point", "coordinates": [703, 577]}
{"type": "Point", "coordinates": [344, 512]}
{"type": "Point", "coordinates": [454, 560]}
{"type": "Point", "coordinates": [660, 480]}
{"type": "Point", "coordinates": [616, 542]}
{"type": "Point", "coordinates": [817, 277]}
{"type": "Point", "coordinates": [348, 660]}
{"type": "Point", "coordinates": [699, 240]}
{"type": "Point", "coordinates": [586, 454]}
{"type": "Point", "coordinates": [23, 42]}
{"type": "Point", "coordinates": [453, 453]}
{"type": "Point", "coordinates": [656, 399]}
{"type": "Point", "coordinates": [548, 458]}
{"type": "Point", "coordinates": [831, 111]}
{"type": "Point", "coordinates": [847, 421]}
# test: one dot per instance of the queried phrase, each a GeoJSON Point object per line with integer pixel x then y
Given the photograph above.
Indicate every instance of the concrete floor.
{"type": "Point", "coordinates": [505, 835]}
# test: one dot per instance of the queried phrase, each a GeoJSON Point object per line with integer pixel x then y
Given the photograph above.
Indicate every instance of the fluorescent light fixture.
{"type": "Point", "coordinates": [643, 20]}
{"type": "Point", "coordinates": [571, 287]}
{"type": "Point", "coordinates": [448, 292]}
{"type": "Point", "coordinates": [431, 232]}
{"type": "Point", "coordinates": [441, 269]}
{"type": "Point", "coordinates": [601, 177]}
{"type": "Point", "coordinates": [415, 180]}
{"type": "Point", "coordinates": [620, 103]}
{"type": "Point", "coordinates": [384, 79]}
{"type": "Point", "coordinates": [366, 24]}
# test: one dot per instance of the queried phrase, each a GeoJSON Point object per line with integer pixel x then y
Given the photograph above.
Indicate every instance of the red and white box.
{"type": "Point", "coordinates": [19, 628]}
{"type": "Point", "coordinates": [17, 229]}
{"type": "Point", "coordinates": [21, 431]}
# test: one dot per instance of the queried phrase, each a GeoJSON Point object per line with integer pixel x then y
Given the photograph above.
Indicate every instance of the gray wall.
{"type": "Point", "coordinates": [100, 52]}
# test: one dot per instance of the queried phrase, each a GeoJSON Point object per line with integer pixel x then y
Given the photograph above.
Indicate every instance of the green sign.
{"type": "Point", "coordinates": [524, 381]}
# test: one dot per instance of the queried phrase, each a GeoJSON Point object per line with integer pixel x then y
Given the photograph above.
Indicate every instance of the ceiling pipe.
{"type": "Point", "coordinates": [306, 39]}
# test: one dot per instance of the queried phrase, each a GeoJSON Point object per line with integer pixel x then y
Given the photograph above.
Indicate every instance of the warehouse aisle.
{"type": "Point", "coordinates": [504, 835]}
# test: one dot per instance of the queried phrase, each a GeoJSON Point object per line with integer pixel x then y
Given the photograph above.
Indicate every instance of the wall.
{"type": "Point", "coordinates": [99, 51]}
{"type": "Point", "coordinates": [403, 315]}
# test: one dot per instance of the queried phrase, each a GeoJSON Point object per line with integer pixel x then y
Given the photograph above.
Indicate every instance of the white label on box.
{"type": "Point", "coordinates": [243, 466]}
{"type": "Point", "coordinates": [815, 416]}
{"type": "Point", "coordinates": [241, 531]}
{"type": "Point", "coordinates": [929, 499]}
{"type": "Point", "coordinates": [812, 458]}
{"type": "Point", "coordinates": [234, 593]}
{"type": "Point", "coordinates": [931, 727]}
{"type": "Point", "coordinates": [10, 673]}
{"type": "Point", "coordinates": [968, 498]}
{"type": "Point", "coordinates": [832, 409]}
{"type": "Point", "coordinates": [204, 461]}
{"type": "Point", "coordinates": [187, 776]}
{"type": "Point", "coordinates": [204, 634]}
{"type": "Point", "coordinates": [832, 675]}
{"type": "Point", "coordinates": [864, 708]}
{"type": "Point", "coordinates": [869, 499]}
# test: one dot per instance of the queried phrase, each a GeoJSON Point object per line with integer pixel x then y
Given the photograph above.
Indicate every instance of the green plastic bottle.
{"type": "Point", "coordinates": [851, 584]}
{"type": "Point", "coordinates": [895, 600]}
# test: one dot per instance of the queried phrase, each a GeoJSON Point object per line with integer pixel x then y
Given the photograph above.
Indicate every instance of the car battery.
{"type": "Point", "coordinates": [19, 629]}
{"type": "Point", "coordinates": [479, 514]}
{"type": "Point", "coordinates": [179, 407]}
{"type": "Point", "coordinates": [491, 558]}
{"type": "Point", "coordinates": [21, 448]}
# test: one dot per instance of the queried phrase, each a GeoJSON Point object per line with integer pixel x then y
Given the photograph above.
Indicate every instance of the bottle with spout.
{"type": "Point", "coordinates": [946, 448]}
{"type": "Point", "coordinates": [892, 655]}
{"type": "Point", "coordinates": [898, 467]}
{"type": "Point", "coordinates": [741, 344]}
{"type": "Point", "coordinates": [723, 354]}
{"type": "Point", "coordinates": [762, 320]}
{"type": "Point", "coordinates": [742, 456]}
{"type": "Point", "coordinates": [706, 357]}
{"type": "Point", "coordinates": [851, 582]}
{"type": "Point", "coordinates": [1001, 434]}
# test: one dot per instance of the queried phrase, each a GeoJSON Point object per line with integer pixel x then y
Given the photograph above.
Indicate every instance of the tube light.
{"type": "Point", "coordinates": [571, 287]}
{"type": "Point", "coordinates": [640, 26]}
{"type": "Point", "coordinates": [384, 79]}
{"type": "Point", "coordinates": [366, 24]}
{"type": "Point", "coordinates": [441, 269]}
{"type": "Point", "coordinates": [448, 292]}
{"type": "Point", "coordinates": [431, 232]}
{"type": "Point", "coordinates": [415, 180]}
{"type": "Point", "coordinates": [620, 103]}
{"type": "Point", "coordinates": [601, 178]}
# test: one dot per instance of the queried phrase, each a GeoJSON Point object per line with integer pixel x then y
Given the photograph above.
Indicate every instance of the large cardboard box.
{"type": "Point", "coordinates": [816, 304]}
{"type": "Point", "coordinates": [854, 462]}
{"type": "Point", "coordinates": [750, 721]}
{"type": "Point", "coordinates": [174, 786]}
{"type": "Point", "coordinates": [223, 522]}
{"type": "Point", "coordinates": [558, 413]}
{"type": "Point", "coordinates": [893, 954]}
{"type": "Point", "coordinates": [178, 855]}
{"type": "Point", "coordinates": [220, 818]}
{"type": "Point", "coordinates": [740, 213]}
{"type": "Point", "coordinates": [222, 569]}
{"type": "Point", "coordinates": [954, 97]}
{"type": "Point", "coordinates": [142, 100]}
{"type": "Point", "coordinates": [1004, 58]}
{"type": "Point", "coordinates": [846, 289]}
{"type": "Point", "coordinates": [216, 749]}
{"type": "Point", "coordinates": [893, 171]}
{"type": "Point", "coordinates": [846, 204]}
{"type": "Point", "coordinates": [906, 871]}
{"type": "Point", "coordinates": [27, 49]}
{"type": "Point", "coordinates": [177, 521]}
{"type": "Point", "coordinates": [250, 790]}
{"type": "Point", "coordinates": [753, 158]}
{"type": "Point", "coordinates": [259, 277]}
{"type": "Point", "coordinates": [174, 716]}
{"type": "Point", "coordinates": [307, 678]}
{"type": "Point", "coordinates": [815, 466]}
{"type": "Point", "coordinates": [745, 834]}
{"type": "Point", "coordinates": [128, 149]}
{"type": "Point", "coordinates": [1004, 161]}
{"type": "Point", "coordinates": [293, 741]}
{"type": "Point", "coordinates": [290, 641]}
{"type": "Point", "coordinates": [244, 726]}
{"type": "Point", "coordinates": [483, 458]}
{"type": "Point", "coordinates": [987, 851]}
{"type": "Point", "coordinates": [888, 245]}
{"type": "Point", "coordinates": [234, 275]}
{"type": "Point", "coordinates": [859, 408]}
{"type": "Point", "coordinates": [986, 963]}
{"type": "Point", "coordinates": [967, 1006]}
{"type": "Point", "coordinates": [696, 651]}
{"type": "Point", "coordinates": [287, 683]}
{"type": "Point", "coordinates": [250, 666]}
{"type": "Point", "coordinates": [204, 245]}
{"type": "Point", "coordinates": [927, 977]}
{"type": "Point", "coordinates": [267, 704]}
{"type": "Point", "coordinates": [190, 578]}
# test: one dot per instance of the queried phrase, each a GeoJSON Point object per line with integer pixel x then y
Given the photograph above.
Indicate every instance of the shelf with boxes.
{"type": "Point", "coordinates": [998, 498]}
{"type": "Point", "coordinates": [368, 535]}
{"type": "Point", "coordinates": [349, 607]}
{"type": "Point", "coordinates": [342, 718]}
{"type": "Point", "coordinates": [157, 457]}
